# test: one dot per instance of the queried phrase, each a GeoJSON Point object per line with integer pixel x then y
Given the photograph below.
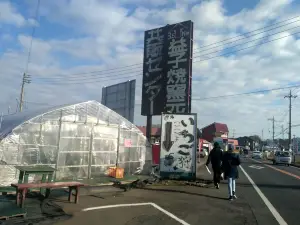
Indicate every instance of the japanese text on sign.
{"type": "Point", "coordinates": [154, 56]}
{"type": "Point", "coordinates": [177, 71]}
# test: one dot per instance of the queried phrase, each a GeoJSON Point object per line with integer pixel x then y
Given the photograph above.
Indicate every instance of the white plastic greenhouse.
{"type": "Point", "coordinates": [81, 141]}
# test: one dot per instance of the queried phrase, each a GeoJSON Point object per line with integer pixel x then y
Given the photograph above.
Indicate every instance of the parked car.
{"type": "Point", "coordinates": [284, 157]}
{"type": "Point", "coordinates": [256, 155]}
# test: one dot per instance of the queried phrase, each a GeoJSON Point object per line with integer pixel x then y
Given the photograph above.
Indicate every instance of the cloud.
{"type": "Point", "coordinates": [103, 35]}
{"type": "Point", "coordinates": [9, 15]}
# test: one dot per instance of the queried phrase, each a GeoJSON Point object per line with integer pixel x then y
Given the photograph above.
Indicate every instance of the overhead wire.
{"type": "Point", "coordinates": [32, 37]}
{"type": "Point", "coordinates": [261, 38]}
{"type": "Point", "coordinates": [131, 70]}
{"type": "Point", "coordinates": [247, 93]}
{"type": "Point", "coordinates": [224, 54]}
{"type": "Point", "coordinates": [242, 49]}
{"type": "Point", "coordinates": [246, 37]}
{"type": "Point", "coordinates": [138, 64]}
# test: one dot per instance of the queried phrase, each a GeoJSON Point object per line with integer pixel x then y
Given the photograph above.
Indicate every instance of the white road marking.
{"type": "Point", "coordinates": [139, 204]}
{"type": "Point", "coordinates": [256, 167]}
{"type": "Point", "coordinates": [272, 209]}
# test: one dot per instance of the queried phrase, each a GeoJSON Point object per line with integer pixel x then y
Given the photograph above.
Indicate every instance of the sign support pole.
{"type": "Point", "coordinates": [149, 128]}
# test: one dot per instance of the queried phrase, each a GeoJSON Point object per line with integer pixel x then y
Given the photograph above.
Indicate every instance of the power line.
{"type": "Point", "coordinates": [32, 36]}
{"type": "Point", "coordinates": [26, 77]}
{"type": "Point", "coordinates": [213, 97]}
{"type": "Point", "coordinates": [243, 36]}
{"type": "Point", "coordinates": [282, 132]}
{"type": "Point", "coordinates": [129, 71]}
{"type": "Point", "coordinates": [247, 42]}
{"type": "Point", "coordinates": [138, 64]}
{"type": "Point", "coordinates": [138, 69]}
{"type": "Point", "coordinates": [96, 80]}
{"type": "Point", "coordinates": [98, 71]}
{"type": "Point", "coordinates": [284, 115]}
{"type": "Point", "coordinates": [247, 93]}
{"type": "Point", "coordinates": [242, 49]}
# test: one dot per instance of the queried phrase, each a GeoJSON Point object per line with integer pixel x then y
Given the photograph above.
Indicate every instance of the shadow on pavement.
{"type": "Point", "coordinates": [183, 192]}
{"type": "Point", "coordinates": [270, 186]}
{"type": "Point", "coordinates": [40, 211]}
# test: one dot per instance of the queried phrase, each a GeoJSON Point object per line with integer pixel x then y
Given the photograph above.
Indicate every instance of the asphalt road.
{"type": "Point", "coordinates": [280, 185]}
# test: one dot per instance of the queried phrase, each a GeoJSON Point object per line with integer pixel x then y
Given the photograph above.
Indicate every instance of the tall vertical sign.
{"type": "Point", "coordinates": [167, 70]}
{"type": "Point", "coordinates": [153, 93]}
{"type": "Point", "coordinates": [179, 67]}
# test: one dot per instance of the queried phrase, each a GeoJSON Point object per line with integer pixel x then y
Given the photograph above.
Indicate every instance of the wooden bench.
{"type": "Point", "coordinates": [21, 190]}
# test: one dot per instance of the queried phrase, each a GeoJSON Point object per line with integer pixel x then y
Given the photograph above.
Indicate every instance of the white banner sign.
{"type": "Point", "coordinates": [178, 146]}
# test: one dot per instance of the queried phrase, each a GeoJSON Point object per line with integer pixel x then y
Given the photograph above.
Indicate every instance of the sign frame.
{"type": "Point", "coordinates": [167, 88]}
{"type": "Point", "coordinates": [178, 152]}
{"type": "Point", "coordinates": [120, 98]}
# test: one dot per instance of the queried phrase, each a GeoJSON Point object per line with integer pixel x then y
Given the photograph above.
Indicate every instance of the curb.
{"type": "Point", "coordinates": [298, 166]}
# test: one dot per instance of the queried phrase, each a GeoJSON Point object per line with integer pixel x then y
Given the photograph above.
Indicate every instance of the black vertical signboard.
{"type": "Point", "coordinates": [178, 67]}
{"type": "Point", "coordinates": [167, 69]}
{"type": "Point", "coordinates": [153, 92]}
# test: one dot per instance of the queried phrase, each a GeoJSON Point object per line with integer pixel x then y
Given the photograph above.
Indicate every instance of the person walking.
{"type": "Point", "coordinates": [215, 158]}
{"type": "Point", "coordinates": [230, 163]}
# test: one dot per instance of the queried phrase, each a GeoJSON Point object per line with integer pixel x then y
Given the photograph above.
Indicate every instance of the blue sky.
{"type": "Point", "coordinates": [74, 38]}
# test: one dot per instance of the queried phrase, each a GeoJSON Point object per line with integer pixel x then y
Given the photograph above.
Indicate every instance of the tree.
{"type": "Point", "coordinates": [255, 138]}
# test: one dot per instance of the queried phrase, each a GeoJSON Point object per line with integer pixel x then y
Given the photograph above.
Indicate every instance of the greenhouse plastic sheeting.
{"type": "Point", "coordinates": [80, 141]}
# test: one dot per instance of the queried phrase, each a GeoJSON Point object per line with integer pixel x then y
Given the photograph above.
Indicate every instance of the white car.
{"type": "Point", "coordinates": [257, 155]}
{"type": "Point", "coordinates": [284, 157]}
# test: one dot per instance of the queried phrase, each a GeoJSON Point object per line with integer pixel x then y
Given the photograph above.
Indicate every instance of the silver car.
{"type": "Point", "coordinates": [284, 157]}
{"type": "Point", "coordinates": [256, 155]}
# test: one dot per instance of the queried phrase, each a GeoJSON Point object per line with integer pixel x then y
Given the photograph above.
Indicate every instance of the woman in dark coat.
{"type": "Point", "coordinates": [230, 163]}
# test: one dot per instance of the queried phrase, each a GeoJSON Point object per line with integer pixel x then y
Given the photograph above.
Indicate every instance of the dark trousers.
{"type": "Point", "coordinates": [217, 175]}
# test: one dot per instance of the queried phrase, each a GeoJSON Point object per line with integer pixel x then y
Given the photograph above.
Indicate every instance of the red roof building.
{"type": "Point", "coordinates": [233, 141]}
{"type": "Point", "coordinates": [155, 132]}
{"type": "Point", "coordinates": [215, 130]}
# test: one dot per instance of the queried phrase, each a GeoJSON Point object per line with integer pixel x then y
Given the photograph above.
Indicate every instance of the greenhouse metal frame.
{"type": "Point", "coordinates": [80, 140]}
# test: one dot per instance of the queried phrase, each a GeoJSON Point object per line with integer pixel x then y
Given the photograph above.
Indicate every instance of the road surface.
{"type": "Point", "coordinates": [279, 184]}
{"type": "Point", "coordinates": [267, 195]}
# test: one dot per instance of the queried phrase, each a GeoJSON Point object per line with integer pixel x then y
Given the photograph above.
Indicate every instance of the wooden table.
{"type": "Point", "coordinates": [46, 172]}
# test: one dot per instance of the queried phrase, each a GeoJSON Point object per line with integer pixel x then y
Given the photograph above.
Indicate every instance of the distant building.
{"type": "Point", "coordinates": [233, 142]}
{"type": "Point", "coordinates": [215, 130]}
{"type": "Point", "coordinates": [155, 133]}
{"type": "Point", "coordinates": [247, 141]}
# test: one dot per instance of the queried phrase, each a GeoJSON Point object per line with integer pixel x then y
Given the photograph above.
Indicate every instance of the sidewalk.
{"type": "Point", "coordinates": [297, 161]}
{"type": "Point", "coordinates": [194, 205]}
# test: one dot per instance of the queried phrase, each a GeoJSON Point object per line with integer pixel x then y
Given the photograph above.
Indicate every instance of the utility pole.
{"type": "Point", "coordinates": [262, 134]}
{"type": "Point", "coordinates": [1, 119]}
{"type": "Point", "coordinates": [290, 96]}
{"type": "Point", "coordinates": [273, 126]}
{"type": "Point", "coordinates": [282, 131]}
{"type": "Point", "coordinates": [25, 80]}
{"type": "Point", "coordinates": [233, 131]}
